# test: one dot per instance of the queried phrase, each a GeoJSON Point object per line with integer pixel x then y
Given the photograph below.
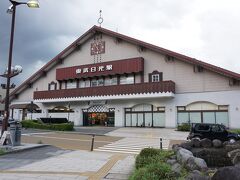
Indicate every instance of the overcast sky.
{"type": "Point", "coordinates": [208, 30]}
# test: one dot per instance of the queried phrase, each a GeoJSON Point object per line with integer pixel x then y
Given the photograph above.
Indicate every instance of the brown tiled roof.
{"type": "Point", "coordinates": [152, 47]}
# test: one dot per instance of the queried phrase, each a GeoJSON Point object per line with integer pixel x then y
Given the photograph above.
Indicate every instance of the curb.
{"type": "Point", "coordinates": [26, 149]}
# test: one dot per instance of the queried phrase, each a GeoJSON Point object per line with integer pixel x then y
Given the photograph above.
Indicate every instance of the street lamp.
{"type": "Point", "coordinates": [9, 74]}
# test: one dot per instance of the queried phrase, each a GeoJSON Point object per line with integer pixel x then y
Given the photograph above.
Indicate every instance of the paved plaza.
{"type": "Point", "coordinates": [69, 156]}
{"type": "Point", "coordinates": [54, 163]}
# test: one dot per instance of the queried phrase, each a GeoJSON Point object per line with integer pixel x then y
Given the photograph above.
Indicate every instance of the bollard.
{"type": "Point", "coordinates": [92, 142]}
{"type": "Point", "coordinates": [160, 143]}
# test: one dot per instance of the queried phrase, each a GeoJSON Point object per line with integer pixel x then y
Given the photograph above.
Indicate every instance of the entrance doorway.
{"type": "Point", "coordinates": [98, 115]}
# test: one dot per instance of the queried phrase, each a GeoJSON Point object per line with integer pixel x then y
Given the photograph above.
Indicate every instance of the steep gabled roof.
{"type": "Point", "coordinates": [95, 29]}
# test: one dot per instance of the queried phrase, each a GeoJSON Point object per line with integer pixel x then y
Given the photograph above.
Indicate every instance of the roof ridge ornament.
{"type": "Point", "coordinates": [100, 19]}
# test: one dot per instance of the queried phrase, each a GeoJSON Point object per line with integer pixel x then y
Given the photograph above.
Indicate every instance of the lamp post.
{"type": "Point", "coordinates": [9, 74]}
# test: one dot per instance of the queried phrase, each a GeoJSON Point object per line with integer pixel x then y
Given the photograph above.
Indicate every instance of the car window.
{"type": "Point", "coordinates": [202, 127]}
{"type": "Point", "coordinates": [216, 128]}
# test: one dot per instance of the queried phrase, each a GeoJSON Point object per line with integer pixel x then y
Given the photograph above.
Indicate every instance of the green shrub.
{"type": "Point", "coordinates": [184, 127]}
{"type": "Point", "coordinates": [2, 152]}
{"type": "Point", "coordinates": [149, 155]}
{"type": "Point", "coordinates": [235, 131]}
{"type": "Point", "coordinates": [39, 125]}
{"type": "Point", "coordinates": [154, 171]}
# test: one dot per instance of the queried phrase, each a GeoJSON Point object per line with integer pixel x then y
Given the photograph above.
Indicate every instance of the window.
{"type": "Point", "coordinates": [71, 84]}
{"type": "Point", "coordinates": [203, 127]}
{"type": "Point", "coordinates": [84, 84]}
{"type": "Point", "coordinates": [216, 128]}
{"type": "Point", "coordinates": [52, 86]}
{"type": "Point", "coordinates": [110, 81]}
{"type": "Point", "coordinates": [155, 78]}
{"type": "Point", "coordinates": [203, 113]}
{"type": "Point", "coordinates": [97, 82]}
{"type": "Point", "coordinates": [127, 80]}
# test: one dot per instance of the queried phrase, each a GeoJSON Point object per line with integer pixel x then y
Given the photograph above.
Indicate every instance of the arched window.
{"type": "Point", "coordinates": [203, 112]}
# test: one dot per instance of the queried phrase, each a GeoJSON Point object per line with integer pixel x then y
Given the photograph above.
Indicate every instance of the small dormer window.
{"type": "Point", "coordinates": [52, 86]}
{"type": "Point", "coordinates": [155, 78]}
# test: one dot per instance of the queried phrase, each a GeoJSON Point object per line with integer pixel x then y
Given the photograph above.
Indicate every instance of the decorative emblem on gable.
{"type": "Point", "coordinates": [98, 47]}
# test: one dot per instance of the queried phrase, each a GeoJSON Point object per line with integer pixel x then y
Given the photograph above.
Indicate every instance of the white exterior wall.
{"type": "Point", "coordinates": [190, 86]}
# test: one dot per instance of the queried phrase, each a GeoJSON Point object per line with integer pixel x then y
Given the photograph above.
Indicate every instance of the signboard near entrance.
{"type": "Point", "coordinates": [5, 136]}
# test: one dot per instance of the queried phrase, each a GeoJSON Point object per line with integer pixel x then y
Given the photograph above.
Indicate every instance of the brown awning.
{"type": "Point", "coordinates": [24, 106]}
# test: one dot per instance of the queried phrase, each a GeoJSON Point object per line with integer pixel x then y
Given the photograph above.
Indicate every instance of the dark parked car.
{"type": "Point", "coordinates": [212, 131]}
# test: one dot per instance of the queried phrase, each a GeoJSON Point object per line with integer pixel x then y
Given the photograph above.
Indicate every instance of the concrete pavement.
{"type": "Point", "coordinates": [64, 164]}
{"type": "Point", "coordinates": [61, 163]}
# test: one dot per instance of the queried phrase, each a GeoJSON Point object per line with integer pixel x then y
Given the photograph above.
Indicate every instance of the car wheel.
{"type": "Point", "coordinates": [197, 137]}
{"type": "Point", "coordinates": [232, 140]}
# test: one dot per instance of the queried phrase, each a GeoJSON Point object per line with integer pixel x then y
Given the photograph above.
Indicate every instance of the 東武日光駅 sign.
{"type": "Point", "coordinates": [125, 66]}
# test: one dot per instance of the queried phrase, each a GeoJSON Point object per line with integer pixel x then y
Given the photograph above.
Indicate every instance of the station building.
{"type": "Point", "coordinates": [107, 78]}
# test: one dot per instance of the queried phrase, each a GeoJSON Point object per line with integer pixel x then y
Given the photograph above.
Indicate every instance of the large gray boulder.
{"type": "Point", "coordinates": [186, 145]}
{"type": "Point", "coordinates": [175, 147]}
{"type": "Point", "coordinates": [194, 163]}
{"type": "Point", "coordinates": [227, 173]}
{"type": "Point", "coordinates": [183, 155]}
{"type": "Point", "coordinates": [196, 175]}
{"type": "Point", "coordinates": [171, 161]}
{"type": "Point", "coordinates": [217, 143]}
{"type": "Point", "coordinates": [195, 142]}
{"type": "Point", "coordinates": [206, 143]}
{"type": "Point", "coordinates": [176, 168]}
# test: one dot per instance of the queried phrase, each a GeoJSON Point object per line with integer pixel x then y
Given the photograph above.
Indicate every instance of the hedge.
{"type": "Point", "coordinates": [184, 127]}
{"type": "Point", "coordinates": [38, 125]}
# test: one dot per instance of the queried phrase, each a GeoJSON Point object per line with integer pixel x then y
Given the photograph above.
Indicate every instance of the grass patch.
{"type": "Point", "coordinates": [149, 155]}
{"type": "Point", "coordinates": [153, 171]}
{"type": "Point", "coordinates": [39, 125]}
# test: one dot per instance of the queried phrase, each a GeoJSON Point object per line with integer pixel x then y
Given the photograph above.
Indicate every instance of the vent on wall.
{"type": "Point", "coordinates": [234, 82]}
{"type": "Point", "coordinates": [141, 49]}
{"type": "Point", "coordinates": [197, 68]}
{"type": "Point", "coordinates": [169, 58]}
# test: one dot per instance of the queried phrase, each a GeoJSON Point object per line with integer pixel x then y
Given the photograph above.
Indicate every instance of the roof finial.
{"type": "Point", "coordinates": [100, 19]}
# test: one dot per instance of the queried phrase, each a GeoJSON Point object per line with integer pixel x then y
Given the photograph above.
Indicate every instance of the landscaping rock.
{"type": "Point", "coordinates": [195, 142]}
{"type": "Point", "coordinates": [232, 153]}
{"type": "Point", "coordinates": [236, 159]}
{"type": "Point", "coordinates": [196, 175]}
{"type": "Point", "coordinates": [173, 157]}
{"type": "Point", "coordinates": [194, 163]}
{"type": "Point", "coordinates": [175, 147]}
{"type": "Point", "coordinates": [176, 168]}
{"type": "Point", "coordinates": [231, 146]}
{"type": "Point", "coordinates": [201, 164]}
{"type": "Point", "coordinates": [217, 143]}
{"type": "Point", "coordinates": [183, 155]}
{"type": "Point", "coordinates": [187, 145]}
{"type": "Point", "coordinates": [206, 143]}
{"type": "Point", "coordinates": [225, 143]}
{"type": "Point", "coordinates": [227, 173]}
{"type": "Point", "coordinates": [171, 161]}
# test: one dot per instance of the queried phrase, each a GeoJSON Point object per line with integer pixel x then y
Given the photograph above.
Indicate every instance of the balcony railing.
{"type": "Point", "coordinates": [154, 87]}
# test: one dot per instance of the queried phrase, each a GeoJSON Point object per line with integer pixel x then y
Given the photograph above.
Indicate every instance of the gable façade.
{"type": "Point", "coordinates": [180, 72]}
